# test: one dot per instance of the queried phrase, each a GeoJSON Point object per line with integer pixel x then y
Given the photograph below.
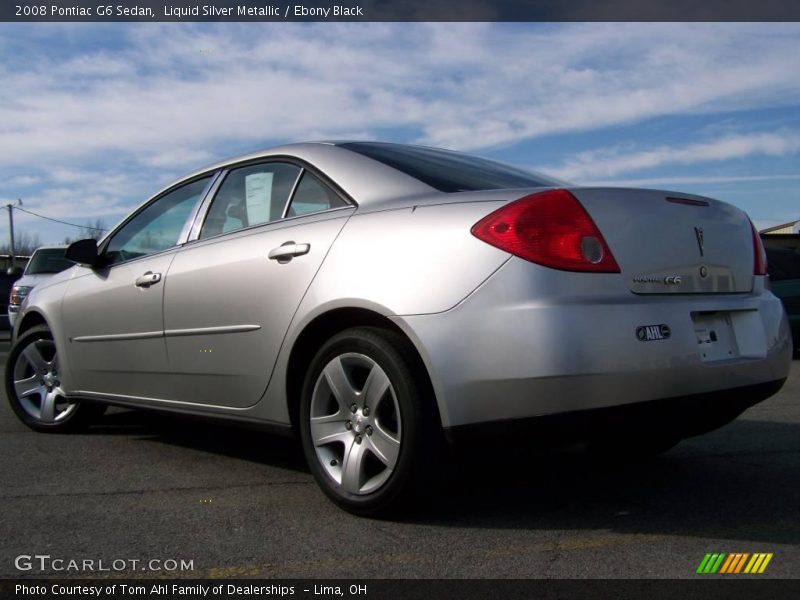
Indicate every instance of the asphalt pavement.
{"type": "Point", "coordinates": [240, 503]}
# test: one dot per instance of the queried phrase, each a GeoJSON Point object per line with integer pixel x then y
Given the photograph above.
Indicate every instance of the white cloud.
{"type": "Point", "coordinates": [21, 181]}
{"type": "Point", "coordinates": [678, 180]}
{"type": "Point", "coordinates": [102, 125]}
{"type": "Point", "coordinates": [175, 87]}
{"type": "Point", "coordinates": [608, 162]}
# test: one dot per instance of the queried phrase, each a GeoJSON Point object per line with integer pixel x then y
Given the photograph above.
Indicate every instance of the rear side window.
{"type": "Point", "coordinates": [449, 171]}
{"type": "Point", "coordinates": [250, 196]}
{"type": "Point", "coordinates": [313, 196]}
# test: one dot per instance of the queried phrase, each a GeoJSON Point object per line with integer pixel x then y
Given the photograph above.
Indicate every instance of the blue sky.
{"type": "Point", "coordinates": [94, 118]}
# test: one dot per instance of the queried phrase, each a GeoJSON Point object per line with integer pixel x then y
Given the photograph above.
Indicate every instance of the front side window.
{"type": "Point", "coordinates": [250, 196]}
{"type": "Point", "coordinates": [158, 227]}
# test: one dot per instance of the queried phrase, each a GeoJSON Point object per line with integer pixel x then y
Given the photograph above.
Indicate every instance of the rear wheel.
{"type": "Point", "coordinates": [33, 386]}
{"type": "Point", "coordinates": [369, 431]}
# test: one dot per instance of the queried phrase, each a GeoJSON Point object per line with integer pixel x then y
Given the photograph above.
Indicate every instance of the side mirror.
{"type": "Point", "coordinates": [83, 252]}
{"type": "Point", "coordinates": [14, 272]}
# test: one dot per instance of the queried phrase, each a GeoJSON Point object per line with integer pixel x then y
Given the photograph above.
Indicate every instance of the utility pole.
{"type": "Point", "coordinates": [10, 207]}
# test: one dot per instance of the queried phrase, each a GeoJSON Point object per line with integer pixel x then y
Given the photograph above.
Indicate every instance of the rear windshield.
{"type": "Point", "coordinates": [50, 260]}
{"type": "Point", "coordinates": [449, 171]}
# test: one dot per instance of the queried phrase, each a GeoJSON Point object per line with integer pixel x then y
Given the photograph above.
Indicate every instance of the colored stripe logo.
{"type": "Point", "coordinates": [734, 563]}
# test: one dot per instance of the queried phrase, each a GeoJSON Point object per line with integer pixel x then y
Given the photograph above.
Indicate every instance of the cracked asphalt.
{"type": "Point", "coordinates": [241, 503]}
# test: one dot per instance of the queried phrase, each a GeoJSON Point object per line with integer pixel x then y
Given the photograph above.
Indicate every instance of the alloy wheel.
{"type": "Point", "coordinates": [37, 383]}
{"type": "Point", "coordinates": [355, 423]}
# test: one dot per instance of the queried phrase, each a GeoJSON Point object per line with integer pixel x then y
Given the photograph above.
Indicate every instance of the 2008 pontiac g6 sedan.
{"type": "Point", "coordinates": [380, 299]}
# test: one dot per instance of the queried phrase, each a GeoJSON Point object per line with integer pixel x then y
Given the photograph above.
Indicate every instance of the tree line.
{"type": "Point", "coordinates": [26, 242]}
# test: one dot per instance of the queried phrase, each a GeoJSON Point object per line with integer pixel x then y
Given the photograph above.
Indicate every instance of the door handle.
{"type": "Point", "coordinates": [148, 279]}
{"type": "Point", "coordinates": [287, 251]}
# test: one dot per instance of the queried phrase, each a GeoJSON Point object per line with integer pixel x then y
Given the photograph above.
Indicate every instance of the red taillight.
{"type": "Point", "coordinates": [549, 228]}
{"type": "Point", "coordinates": [760, 255]}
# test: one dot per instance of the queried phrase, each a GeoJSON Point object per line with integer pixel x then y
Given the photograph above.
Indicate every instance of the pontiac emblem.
{"type": "Point", "coordinates": [698, 233]}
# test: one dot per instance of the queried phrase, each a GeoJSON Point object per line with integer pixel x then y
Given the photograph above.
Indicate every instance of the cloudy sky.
{"type": "Point", "coordinates": [96, 117]}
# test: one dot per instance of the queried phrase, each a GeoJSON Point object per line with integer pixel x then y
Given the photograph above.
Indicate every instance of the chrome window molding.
{"type": "Point", "coordinates": [187, 226]}
{"type": "Point", "coordinates": [202, 213]}
{"type": "Point", "coordinates": [277, 224]}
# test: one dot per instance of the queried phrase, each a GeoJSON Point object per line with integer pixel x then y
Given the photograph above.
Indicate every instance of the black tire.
{"type": "Point", "coordinates": [74, 416]}
{"type": "Point", "coordinates": [420, 433]}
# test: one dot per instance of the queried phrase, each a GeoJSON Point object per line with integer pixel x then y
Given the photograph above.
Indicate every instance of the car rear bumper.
{"type": "Point", "coordinates": [679, 417]}
{"type": "Point", "coordinates": [510, 352]}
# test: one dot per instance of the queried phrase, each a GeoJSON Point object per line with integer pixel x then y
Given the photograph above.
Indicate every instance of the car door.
{"type": "Point", "coordinates": [233, 292]}
{"type": "Point", "coordinates": [113, 315]}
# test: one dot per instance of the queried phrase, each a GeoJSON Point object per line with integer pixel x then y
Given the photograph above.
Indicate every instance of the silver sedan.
{"type": "Point", "coordinates": [380, 300]}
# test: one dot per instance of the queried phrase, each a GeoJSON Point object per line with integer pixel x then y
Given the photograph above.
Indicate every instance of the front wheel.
{"type": "Point", "coordinates": [369, 430]}
{"type": "Point", "coordinates": [33, 386]}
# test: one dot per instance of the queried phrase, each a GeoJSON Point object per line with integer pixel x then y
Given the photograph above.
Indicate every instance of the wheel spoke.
{"type": "Point", "coordinates": [353, 468]}
{"type": "Point", "coordinates": [339, 384]}
{"type": "Point", "coordinates": [384, 446]}
{"type": "Point", "coordinates": [28, 387]}
{"type": "Point", "coordinates": [325, 430]}
{"type": "Point", "coordinates": [48, 408]}
{"type": "Point", "coordinates": [375, 387]}
{"type": "Point", "coordinates": [34, 357]}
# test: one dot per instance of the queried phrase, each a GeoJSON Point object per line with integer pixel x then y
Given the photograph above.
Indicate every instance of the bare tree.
{"type": "Point", "coordinates": [24, 244]}
{"type": "Point", "coordinates": [91, 230]}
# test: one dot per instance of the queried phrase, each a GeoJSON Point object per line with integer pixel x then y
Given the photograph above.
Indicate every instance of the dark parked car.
{"type": "Point", "coordinates": [43, 264]}
{"type": "Point", "coordinates": [6, 283]}
{"type": "Point", "coordinates": [784, 274]}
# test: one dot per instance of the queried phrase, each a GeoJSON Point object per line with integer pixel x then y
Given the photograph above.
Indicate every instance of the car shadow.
{"type": "Point", "coordinates": [736, 483]}
{"type": "Point", "coordinates": [203, 435]}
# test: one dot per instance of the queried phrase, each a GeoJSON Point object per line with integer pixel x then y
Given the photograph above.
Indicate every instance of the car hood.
{"type": "Point", "coordinates": [37, 280]}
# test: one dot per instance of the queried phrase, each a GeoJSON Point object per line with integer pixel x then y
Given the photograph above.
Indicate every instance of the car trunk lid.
{"type": "Point", "coordinates": [673, 243]}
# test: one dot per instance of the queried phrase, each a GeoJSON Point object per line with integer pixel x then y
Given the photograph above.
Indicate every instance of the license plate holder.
{"type": "Point", "coordinates": [716, 339]}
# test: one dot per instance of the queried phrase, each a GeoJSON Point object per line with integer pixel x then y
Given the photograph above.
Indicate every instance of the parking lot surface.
{"type": "Point", "coordinates": [241, 503]}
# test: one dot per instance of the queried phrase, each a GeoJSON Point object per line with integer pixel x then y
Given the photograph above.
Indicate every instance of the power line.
{"type": "Point", "coordinates": [30, 212]}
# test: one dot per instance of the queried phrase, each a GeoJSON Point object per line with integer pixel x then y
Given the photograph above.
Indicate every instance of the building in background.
{"type": "Point", "coordinates": [790, 227]}
{"type": "Point", "coordinates": [782, 236]}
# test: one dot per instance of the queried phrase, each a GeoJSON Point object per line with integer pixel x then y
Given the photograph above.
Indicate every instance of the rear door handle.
{"type": "Point", "coordinates": [148, 279]}
{"type": "Point", "coordinates": [288, 250]}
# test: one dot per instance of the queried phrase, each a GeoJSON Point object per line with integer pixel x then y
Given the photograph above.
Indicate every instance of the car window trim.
{"type": "Point", "coordinates": [290, 221]}
{"type": "Point", "coordinates": [200, 218]}
{"type": "Point", "coordinates": [187, 226]}
{"type": "Point", "coordinates": [291, 193]}
{"type": "Point", "coordinates": [185, 231]}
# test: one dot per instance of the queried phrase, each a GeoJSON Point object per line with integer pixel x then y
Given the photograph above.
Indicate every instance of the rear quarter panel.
{"type": "Point", "coordinates": [416, 260]}
{"type": "Point", "coordinates": [413, 260]}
